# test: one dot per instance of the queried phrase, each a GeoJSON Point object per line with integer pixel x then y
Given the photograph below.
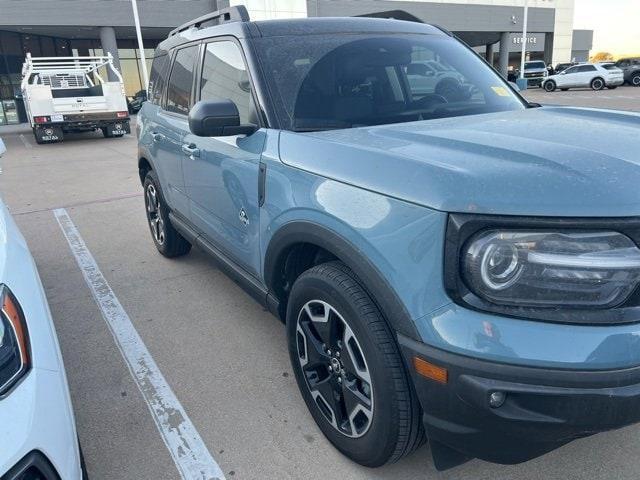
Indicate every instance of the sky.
{"type": "Point", "coordinates": [616, 24]}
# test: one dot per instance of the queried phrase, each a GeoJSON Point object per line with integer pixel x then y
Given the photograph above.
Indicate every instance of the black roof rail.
{"type": "Point", "coordinates": [226, 15]}
{"type": "Point", "coordinates": [393, 15]}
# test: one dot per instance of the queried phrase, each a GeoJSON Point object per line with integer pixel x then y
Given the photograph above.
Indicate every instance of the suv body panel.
{"type": "Point", "coordinates": [390, 227]}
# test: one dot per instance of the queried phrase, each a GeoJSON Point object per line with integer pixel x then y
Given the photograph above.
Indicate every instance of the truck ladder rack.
{"type": "Point", "coordinates": [76, 65]}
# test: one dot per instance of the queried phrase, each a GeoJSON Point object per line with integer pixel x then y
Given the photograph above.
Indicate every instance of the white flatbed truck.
{"type": "Point", "coordinates": [69, 94]}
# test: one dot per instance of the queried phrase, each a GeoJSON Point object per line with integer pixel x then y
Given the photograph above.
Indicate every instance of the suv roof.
{"type": "Point", "coordinates": [235, 21]}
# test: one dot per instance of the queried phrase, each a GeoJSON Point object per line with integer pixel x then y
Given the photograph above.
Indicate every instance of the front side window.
{"type": "Point", "coordinates": [224, 76]}
{"type": "Point", "coordinates": [571, 70]}
{"type": "Point", "coordinates": [181, 79]}
{"type": "Point", "coordinates": [349, 80]}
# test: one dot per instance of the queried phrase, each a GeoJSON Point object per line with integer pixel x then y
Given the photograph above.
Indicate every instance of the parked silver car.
{"type": "Point", "coordinates": [585, 75]}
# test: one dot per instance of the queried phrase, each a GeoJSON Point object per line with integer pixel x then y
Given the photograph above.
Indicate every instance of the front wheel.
{"type": "Point", "coordinates": [549, 86]}
{"type": "Point", "coordinates": [349, 369]}
{"type": "Point", "coordinates": [597, 84]}
{"type": "Point", "coordinates": [635, 80]}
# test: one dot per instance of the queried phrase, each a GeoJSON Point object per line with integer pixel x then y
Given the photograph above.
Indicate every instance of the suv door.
{"type": "Point", "coordinates": [171, 127]}
{"type": "Point", "coordinates": [567, 77]}
{"type": "Point", "coordinates": [587, 74]}
{"type": "Point", "coordinates": [222, 178]}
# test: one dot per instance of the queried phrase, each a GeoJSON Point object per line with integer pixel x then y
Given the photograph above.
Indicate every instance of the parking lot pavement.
{"type": "Point", "coordinates": [220, 353]}
{"type": "Point", "coordinates": [622, 98]}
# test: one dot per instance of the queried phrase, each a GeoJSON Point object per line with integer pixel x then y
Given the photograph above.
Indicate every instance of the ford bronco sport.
{"type": "Point", "coordinates": [452, 264]}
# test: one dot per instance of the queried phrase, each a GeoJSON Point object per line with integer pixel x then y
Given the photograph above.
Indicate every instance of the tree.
{"type": "Point", "coordinates": [602, 57]}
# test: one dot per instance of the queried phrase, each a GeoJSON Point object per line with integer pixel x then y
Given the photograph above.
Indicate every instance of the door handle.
{"type": "Point", "coordinates": [157, 137]}
{"type": "Point", "coordinates": [191, 150]}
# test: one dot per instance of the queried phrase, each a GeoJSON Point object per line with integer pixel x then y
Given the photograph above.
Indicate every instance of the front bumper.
{"type": "Point", "coordinates": [35, 416]}
{"type": "Point", "coordinates": [544, 408]}
{"type": "Point", "coordinates": [535, 80]}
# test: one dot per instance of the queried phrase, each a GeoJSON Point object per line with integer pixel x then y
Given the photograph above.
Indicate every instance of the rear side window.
{"type": "Point", "coordinates": [586, 68]}
{"type": "Point", "coordinates": [224, 76]}
{"type": "Point", "coordinates": [181, 80]}
{"type": "Point", "coordinates": [158, 78]}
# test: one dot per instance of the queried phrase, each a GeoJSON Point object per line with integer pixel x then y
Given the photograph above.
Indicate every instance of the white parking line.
{"type": "Point", "coordinates": [25, 142]}
{"type": "Point", "coordinates": [193, 460]}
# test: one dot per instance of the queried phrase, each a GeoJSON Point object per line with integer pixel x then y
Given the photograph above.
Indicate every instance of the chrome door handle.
{"type": "Point", "coordinates": [191, 150]}
{"type": "Point", "coordinates": [157, 137]}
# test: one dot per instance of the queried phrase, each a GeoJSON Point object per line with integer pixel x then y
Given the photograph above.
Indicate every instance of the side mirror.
{"type": "Point", "coordinates": [217, 118]}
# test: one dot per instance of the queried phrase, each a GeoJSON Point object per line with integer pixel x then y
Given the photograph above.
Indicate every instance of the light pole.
{"type": "Point", "coordinates": [524, 36]}
{"type": "Point", "coordinates": [136, 19]}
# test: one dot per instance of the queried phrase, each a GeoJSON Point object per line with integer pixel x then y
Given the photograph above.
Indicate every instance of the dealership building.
{"type": "Point", "coordinates": [94, 27]}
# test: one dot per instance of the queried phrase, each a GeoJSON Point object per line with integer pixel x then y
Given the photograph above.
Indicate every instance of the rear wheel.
{"type": "Point", "coordinates": [635, 80]}
{"type": "Point", "coordinates": [597, 84]}
{"type": "Point", "coordinates": [349, 369]}
{"type": "Point", "coordinates": [168, 240]}
{"type": "Point", "coordinates": [549, 86]}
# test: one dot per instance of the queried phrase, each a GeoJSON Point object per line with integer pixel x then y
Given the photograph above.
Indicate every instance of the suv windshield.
{"type": "Point", "coordinates": [324, 82]}
{"type": "Point", "coordinates": [536, 65]}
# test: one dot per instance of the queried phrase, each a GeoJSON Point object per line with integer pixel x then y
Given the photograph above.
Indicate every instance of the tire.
{"type": "Point", "coordinates": [167, 239]}
{"type": "Point", "coordinates": [635, 80]}
{"type": "Point", "coordinates": [549, 86]}
{"type": "Point", "coordinates": [597, 84]}
{"type": "Point", "coordinates": [383, 420]}
{"type": "Point", "coordinates": [106, 133]}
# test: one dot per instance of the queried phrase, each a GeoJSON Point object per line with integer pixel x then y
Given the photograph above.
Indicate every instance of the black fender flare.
{"type": "Point", "coordinates": [144, 154]}
{"type": "Point", "coordinates": [370, 277]}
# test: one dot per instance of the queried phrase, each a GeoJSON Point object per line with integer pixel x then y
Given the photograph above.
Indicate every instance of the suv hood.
{"type": "Point", "coordinates": [549, 161]}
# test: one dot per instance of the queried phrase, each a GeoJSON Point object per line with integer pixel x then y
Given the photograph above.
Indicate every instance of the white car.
{"type": "Point", "coordinates": [38, 437]}
{"type": "Point", "coordinates": [585, 75]}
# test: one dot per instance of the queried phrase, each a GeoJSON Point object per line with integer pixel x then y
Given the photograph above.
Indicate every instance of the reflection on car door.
{"type": "Point", "coordinates": [171, 127]}
{"type": "Point", "coordinates": [222, 180]}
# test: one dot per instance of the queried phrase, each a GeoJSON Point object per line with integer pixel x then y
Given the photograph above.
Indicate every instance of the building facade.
{"type": "Point", "coordinates": [94, 27]}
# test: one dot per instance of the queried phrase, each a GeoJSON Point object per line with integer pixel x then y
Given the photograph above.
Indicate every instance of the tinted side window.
{"type": "Point", "coordinates": [179, 89]}
{"type": "Point", "coordinates": [587, 68]}
{"type": "Point", "coordinates": [158, 78]}
{"type": "Point", "coordinates": [224, 76]}
{"type": "Point", "coordinates": [571, 70]}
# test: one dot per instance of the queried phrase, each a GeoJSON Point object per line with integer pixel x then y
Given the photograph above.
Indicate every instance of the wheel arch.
{"type": "Point", "coordinates": [144, 166]}
{"type": "Point", "coordinates": [324, 244]}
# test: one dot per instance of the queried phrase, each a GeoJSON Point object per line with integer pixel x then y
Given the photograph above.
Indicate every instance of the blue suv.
{"type": "Point", "coordinates": [452, 262]}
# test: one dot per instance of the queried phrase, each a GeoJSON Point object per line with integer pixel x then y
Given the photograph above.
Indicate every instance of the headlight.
{"type": "Point", "coordinates": [15, 358]}
{"type": "Point", "coordinates": [551, 269]}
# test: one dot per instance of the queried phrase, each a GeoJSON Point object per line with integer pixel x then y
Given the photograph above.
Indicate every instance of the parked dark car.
{"type": "Point", "coordinates": [631, 69]}
{"type": "Point", "coordinates": [561, 67]}
{"type": "Point", "coordinates": [134, 103]}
